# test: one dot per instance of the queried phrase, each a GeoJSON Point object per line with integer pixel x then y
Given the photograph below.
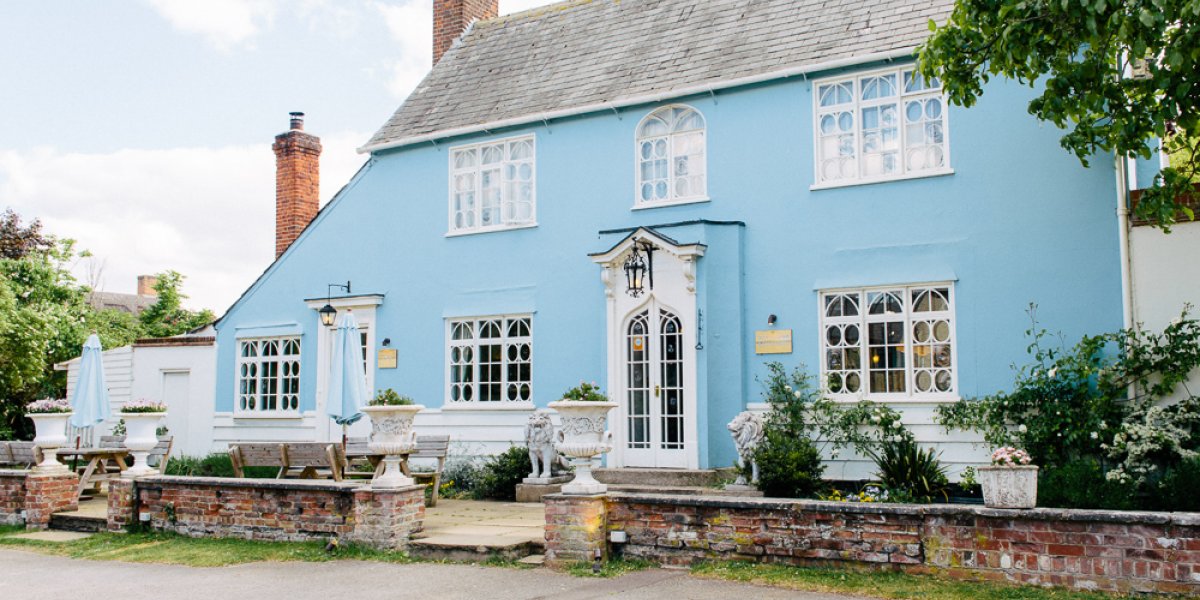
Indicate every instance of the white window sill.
{"type": "Point", "coordinates": [887, 399]}
{"type": "Point", "coordinates": [679, 202]}
{"type": "Point", "coordinates": [460, 233]}
{"type": "Point", "coordinates": [488, 406]}
{"type": "Point", "coordinates": [853, 182]}
{"type": "Point", "coordinates": [268, 417]}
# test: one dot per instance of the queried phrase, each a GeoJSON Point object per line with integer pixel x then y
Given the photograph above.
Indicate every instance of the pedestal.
{"type": "Point", "coordinates": [584, 483]}
{"type": "Point", "coordinates": [532, 489]}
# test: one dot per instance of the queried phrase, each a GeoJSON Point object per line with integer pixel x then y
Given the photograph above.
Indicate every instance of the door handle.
{"type": "Point", "coordinates": [657, 389]}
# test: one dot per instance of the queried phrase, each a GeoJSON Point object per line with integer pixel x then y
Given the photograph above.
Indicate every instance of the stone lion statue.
{"type": "Point", "coordinates": [539, 438]}
{"type": "Point", "coordinates": [747, 431]}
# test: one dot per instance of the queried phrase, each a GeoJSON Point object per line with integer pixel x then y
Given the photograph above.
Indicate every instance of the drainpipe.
{"type": "Point", "coordinates": [1123, 237]}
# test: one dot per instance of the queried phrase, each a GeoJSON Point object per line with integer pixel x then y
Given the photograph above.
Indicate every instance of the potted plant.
{"type": "Point", "coordinates": [49, 418]}
{"type": "Point", "coordinates": [142, 417]}
{"type": "Point", "coordinates": [392, 434]}
{"type": "Point", "coordinates": [1011, 481]}
{"type": "Point", "coordinates": [584, 435]}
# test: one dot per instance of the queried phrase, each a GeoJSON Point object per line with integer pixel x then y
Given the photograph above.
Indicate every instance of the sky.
{"type": "Point", "coordinates": [142, 129]}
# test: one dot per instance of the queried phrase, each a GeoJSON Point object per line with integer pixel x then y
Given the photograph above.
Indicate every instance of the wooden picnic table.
{"type": "Point", "coordinates": [104, 458]}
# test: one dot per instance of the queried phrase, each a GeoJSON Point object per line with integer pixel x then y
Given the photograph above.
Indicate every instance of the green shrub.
{"type": "Point", "coordinates": [214, 465]}
{"type": "Point", "coordinates": [1083, 484]}
{"type": "Point", "coordinates": [1179, 489]}
{"type": "Point", "coordinates": [389, 397]}
{"type": "Point", "coordinates": [501, 474]}
{"type": "Point", "coordinates": [911, 474]}
{"type": "Point", "coordinates": [460, 478]}
{"type": "Point", "coordinates": [789, 466]}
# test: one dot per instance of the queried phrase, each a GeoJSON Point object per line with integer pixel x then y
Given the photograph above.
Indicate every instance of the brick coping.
{"type": "Point", "coordinates": [236, 482]}
{"type": "Point", "coordinates": [15, 472]}
{"type": "Point", "coordinates": [1189, 519]}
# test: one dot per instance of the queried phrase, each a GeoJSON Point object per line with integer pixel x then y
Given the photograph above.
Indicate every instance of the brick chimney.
{"type": "Point", "coordinates": [146, 285]}
{"type": "Point", "coordinates": [451, 18]}
{"type": "Point", "coordinates": [297, 182]}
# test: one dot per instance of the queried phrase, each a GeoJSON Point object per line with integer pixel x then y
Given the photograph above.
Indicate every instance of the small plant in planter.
{"type": "Point", "coordinates": [389, 397]}
{"type": "Point", "coordinates": [49, 418]}
{"type": "Point", "coordinates": [141, 418]}
{"type": "Point", "coordinates": [1010, 481]}
{"type": "Point", "coordinates": [584, 434]}
{"type": "Point", "coordinates": [392, 434]}
{"type": "Point", "coordinates": [585, 392]}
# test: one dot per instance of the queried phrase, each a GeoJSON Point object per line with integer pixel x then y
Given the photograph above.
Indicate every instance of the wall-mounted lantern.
{"type": "Point", "coordinates": [328, 312]}
{"type": "Point", "coordinates": [639, 268]}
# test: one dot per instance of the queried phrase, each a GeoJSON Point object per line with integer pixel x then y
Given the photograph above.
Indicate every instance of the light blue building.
{"type": "Point", "coordinates": [775, 165]}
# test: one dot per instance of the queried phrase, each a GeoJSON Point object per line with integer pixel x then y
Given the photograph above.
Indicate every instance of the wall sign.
{"type": "Point", "coordinates": [386, 358]}
{"type": "Point", "coordinates": [773, 341]}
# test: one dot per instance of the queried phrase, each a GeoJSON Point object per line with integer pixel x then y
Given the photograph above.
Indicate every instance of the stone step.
{"type": "Point", "coordinates": [73, 521]}
{"type": "Point", "coordinates": [680, 490]}
{"type": "Point", "coordinates": [464, 551]}
{"type": "Point", "coordinates": [664, 477]}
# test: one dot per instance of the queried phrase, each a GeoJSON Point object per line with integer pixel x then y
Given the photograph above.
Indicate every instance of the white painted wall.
{"type": "Point", "coordinates": [1166, 275]}
{"type": "Point", "coordinates": [161, 372]}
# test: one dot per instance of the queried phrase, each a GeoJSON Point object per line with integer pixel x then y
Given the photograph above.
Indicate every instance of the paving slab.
{"type": "Point", "coordinates": [52, 536]}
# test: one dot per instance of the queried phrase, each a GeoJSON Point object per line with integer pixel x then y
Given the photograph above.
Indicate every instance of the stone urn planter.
{"type": "Point", "coordinates": [141, 436]}
{"type": "Point", "coordinates": [51, 435]}
{"type": "Point", "coordinates": [584, 435]}
{"type": "Point", "coordinates": [1009, 486]}
{"type": "Point", "coordinates": [392, 435]}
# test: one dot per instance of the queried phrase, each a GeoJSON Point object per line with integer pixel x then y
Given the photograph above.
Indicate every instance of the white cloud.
{"type": "Point", "coordinates": [411, 26]}
{"type": "Point", "coordinates": [224, 23]}
{"type": "Point", "coordinates": [205, 212]}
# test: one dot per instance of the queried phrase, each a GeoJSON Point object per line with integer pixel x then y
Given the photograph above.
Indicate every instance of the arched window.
{"type": "Point", "coordinates": [671, 156]}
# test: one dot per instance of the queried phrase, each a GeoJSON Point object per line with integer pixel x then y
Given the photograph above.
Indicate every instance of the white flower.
{"type": "Point", "coordinates": [834, 453]}
{"type": "Point", "coordinates": [1053, 371]}
{"type": "Point", "coordinates": [1103, 425]}
{"type": "Point", "coordinates": [1023, 428]}
{"type": "Point", "coordinates": [788, 387]}
{"type": "Point", "coordinates": [796, 395]}
{"type": "Point", "coordinates": [875, 418]}
{"type": "Point", "coordinates": [1095, 436]}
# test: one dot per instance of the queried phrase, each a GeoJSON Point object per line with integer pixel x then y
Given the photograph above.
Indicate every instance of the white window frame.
{"type": "Point", "coordinates": [505, 340]}
{"type": "Point", "coordinates": [280, 378]}
{"type": "Point", "coordinates": [504, 199]}
{"type": "Point", "coordinates": [909, 318]}
{"type": "Point", "coordinates": [856, 105]}
{"type": "Point", "coordinates": [672, 199]}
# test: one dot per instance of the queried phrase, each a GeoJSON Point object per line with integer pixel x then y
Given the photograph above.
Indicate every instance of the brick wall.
{"type": "Point", "coordinates": [575, 529]}
{"type": "Point", "coordinates": [12, 497]}
{"type": "Point", "coordinates": [451, 18]}
{"type": "Point", "coordinates": [48, 493]}
{"type": "Point", "coordinates": [297, 183]}
{"type": "Point", "coordinates": [270, 509]}
{"type": "Point", "coordinates": [1101, 550]}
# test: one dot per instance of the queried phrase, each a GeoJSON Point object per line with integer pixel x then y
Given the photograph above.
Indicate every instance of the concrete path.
{"type": "Point", "coordinates": [30, 576]}
{"type": "Point", "coordinates": [476, 523]}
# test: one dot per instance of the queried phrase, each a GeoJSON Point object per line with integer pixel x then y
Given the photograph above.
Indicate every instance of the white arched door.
{"type": "Point", "coordinates": [654, 408]}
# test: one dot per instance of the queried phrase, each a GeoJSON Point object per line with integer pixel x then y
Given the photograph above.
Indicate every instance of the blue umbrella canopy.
{"type": "Point", "coordinates": [347, 382]}
{"type": "Point", "coordinates": [90, 400]}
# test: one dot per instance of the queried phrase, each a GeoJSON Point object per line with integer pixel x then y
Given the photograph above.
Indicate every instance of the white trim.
{"type": "Point", "coordinates": [482, 230]}
{"type": "Point", "coordinates": [690, 90]}
{"type": "Point", "coordinates": [503, 199]}
{"type": "Point", "coordinates": [684, 251]}
{"type": "Point", "coordinates": [874, 180]}
{"type": "Point", "coordinates": [669, 136]}
{"type": "Point", "coordinates": [239, 360]}
{"type": "Point", "coordinates": [485, 407]}
{"type": "Point", "coordinates": [649, 205]}
{"type": "Point", "coordinates": [351, 302]}
{"type": "Point", "coordinates": [474, 403]}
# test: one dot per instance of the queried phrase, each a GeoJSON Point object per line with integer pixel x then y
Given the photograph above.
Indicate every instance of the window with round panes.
{"type": "Point", "coordinates": [268, 377]}
{"type": "Point", "coordinates": [490, 360]}
{"type": "Point", "coordinates": [671, 162]}
{"type": "Point", "coordinates": [493, 185]}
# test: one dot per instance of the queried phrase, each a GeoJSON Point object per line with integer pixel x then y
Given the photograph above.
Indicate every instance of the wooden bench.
{"type": "Point", "coordinates": [311, 460]}
{"type": "Point", "coordinates": [429, 447]}
{"type": "Point", "coordinates": [158, 456]}
{"type": "Point", "coordinates": [23, 455]}
{"type": "Point", "coordinates": [256, 455]}
{"type": "Point", "coordinates": [353, 461]}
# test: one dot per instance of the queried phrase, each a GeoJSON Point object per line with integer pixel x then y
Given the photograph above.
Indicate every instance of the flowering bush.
{"type": "Point", "coordinates": [585, 392]}
{"type": "Point", "coordinates": [869, 493]}
{"type": "Point", "coordinates": [47, 406]}
{"type": "Point", "coordinates": [143, 405]}
{"type": "Point", "coordinates": [1010, 457]}
{"type": "Point", "coordinates": [389, 397]}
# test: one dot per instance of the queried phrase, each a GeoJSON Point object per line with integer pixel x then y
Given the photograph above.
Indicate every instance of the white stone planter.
{"type": "Point", "coordinates": [392, 436]}
{"type": "Point", "coordinates": [584, 435]}
{"type": "Point", "coordinates": [141, 436]}
{"type": "Point", "coordinates": [1009, 487]}
{"type": "Point", "coordinates": [51, 435]}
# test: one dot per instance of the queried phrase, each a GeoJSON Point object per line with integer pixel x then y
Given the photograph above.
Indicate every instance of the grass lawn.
{"type": "Point", "coordinates": [885, 584]}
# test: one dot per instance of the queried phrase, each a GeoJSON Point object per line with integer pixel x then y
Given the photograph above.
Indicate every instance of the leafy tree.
{"type": "Point", "coordinates": [1084, 54]}
{"type": "Point", "coordinates": [167, 317]}
{"type": "Point", "coordinates": [17, 241]}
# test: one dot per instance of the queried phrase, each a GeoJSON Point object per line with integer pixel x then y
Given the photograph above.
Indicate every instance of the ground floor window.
{"type": "Point", "coordinates": [892, 342]}
{"type": "Point", "coordinates": [268, 376]}
{"type": "Point", "coordinates": [490, 359]}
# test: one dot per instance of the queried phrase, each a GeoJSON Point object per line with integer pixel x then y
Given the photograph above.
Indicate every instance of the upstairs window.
{"type": "Point", "coordinates": [671, 157]}
{"type": "Point", "coordinates": [880, 126]}
{"type": "Point", "coordinates": [268, 377]}
{"type": "Point", "coordinates": [492, 186]}
{"type": "Point", "coordinates": [890, 343]}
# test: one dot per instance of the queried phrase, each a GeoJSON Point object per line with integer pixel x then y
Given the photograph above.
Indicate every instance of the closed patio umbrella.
{"type": "Point", "coordinates": [90, 400]}
{"type": "Point", "coordinates": [347, 381]}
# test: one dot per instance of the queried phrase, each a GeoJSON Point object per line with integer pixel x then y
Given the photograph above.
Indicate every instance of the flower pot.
{"type": "Point", "coordinates": [392, 436]}
{"type": "Point", "coordinates": [141, 436]}
{"type": "Point", "coordinates": [583, 436]}
{"type": "Point", "coordinates": [1009, 487]}
{"type": "Point", "coordinates": [51, 435]}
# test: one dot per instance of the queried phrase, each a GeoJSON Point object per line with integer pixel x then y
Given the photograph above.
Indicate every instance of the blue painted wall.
{"type": "Point", "coordinates": [1019, 221]}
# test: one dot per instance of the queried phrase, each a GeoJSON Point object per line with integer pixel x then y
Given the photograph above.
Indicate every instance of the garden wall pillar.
{"type": "Point", "coordinates": [576, 527]}
{"type": "Point", "coordinates": [386, 518]}
{"type": "Point", "coordinates": [121, 504]}
{"type": "Point", "coordinates": [48, 493]}
{"type": "Point", "coordinates": [12, 497]}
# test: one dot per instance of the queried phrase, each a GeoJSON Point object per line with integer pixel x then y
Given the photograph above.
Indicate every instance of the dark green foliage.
{"type": "Point", "coordinates": [214, 465]}
{"type": "Point", "coordinates": [502, 473]}
{"type": "Point", "coordinates": [1179, 489]}
{"type": "Point", "coordinates": [460, 478]}
{"type": "Point", "coordinates": [789, 466]}
{"type": "Point", "coordinates": [910, 473]}
{"type": "Point", "coordinates": [167, 317]}
{"type": "Point", "coordinates": [1082, 484]}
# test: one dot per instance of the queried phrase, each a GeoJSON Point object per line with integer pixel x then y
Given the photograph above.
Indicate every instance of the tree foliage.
{"type": "Point", "coordinates": [1083, 53]}
{"type": "Point", "coordinates": [167, 317]}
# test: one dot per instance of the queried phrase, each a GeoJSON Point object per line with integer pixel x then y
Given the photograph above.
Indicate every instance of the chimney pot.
{"type": "Point", "coordinates": [145, 286]}
{"type": "Point", "coordinates": [297, 182]}
{"type": "Point", "coordinates": [452, 17]}
{"type": "Point", "coordinates": [297, 121]}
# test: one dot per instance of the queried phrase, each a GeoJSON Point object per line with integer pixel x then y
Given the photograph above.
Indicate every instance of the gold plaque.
{"type": "Point", "coordinates": [387, 358]}
{"type": "Point", "coordinates": [773, 341]}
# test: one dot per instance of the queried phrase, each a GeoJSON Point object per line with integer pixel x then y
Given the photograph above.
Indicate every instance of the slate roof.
{"type": "Point", "coordinates": [587, 52]}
